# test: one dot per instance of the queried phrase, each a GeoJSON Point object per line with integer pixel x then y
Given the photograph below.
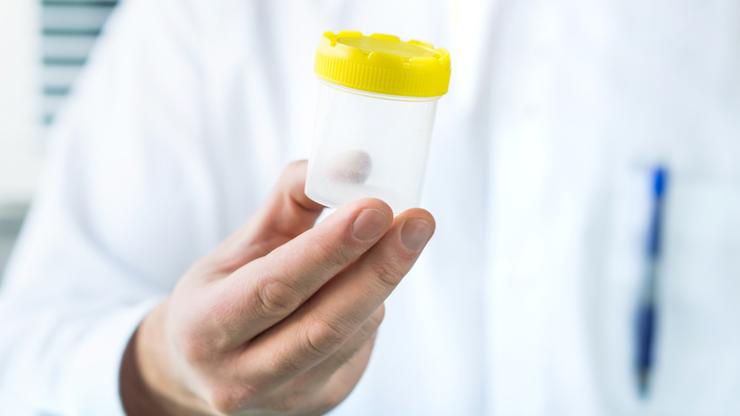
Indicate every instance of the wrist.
{"type": "Point", "coordinates": [145, 377]}
{"type": "Point", "coordinates": [136, 397]}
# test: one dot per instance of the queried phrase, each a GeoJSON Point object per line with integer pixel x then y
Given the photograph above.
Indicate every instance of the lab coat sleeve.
{"type": "Point", "coordinates": [111, 229]}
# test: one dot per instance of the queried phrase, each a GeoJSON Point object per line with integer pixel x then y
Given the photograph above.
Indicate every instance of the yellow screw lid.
{"type": "Point", "coordinates": [383, 64]}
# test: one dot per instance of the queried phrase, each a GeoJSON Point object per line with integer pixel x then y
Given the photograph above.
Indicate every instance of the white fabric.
{"type": "Point", "coordinates": [522, 304]}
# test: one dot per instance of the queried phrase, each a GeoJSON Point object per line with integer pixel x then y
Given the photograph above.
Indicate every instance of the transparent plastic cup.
{"type": "Point", "coordinates": [369, 145]}
{"type": "Point", "coordinates": [373, 140]}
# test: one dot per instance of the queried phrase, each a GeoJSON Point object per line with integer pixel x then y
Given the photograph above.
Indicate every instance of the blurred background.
{"type": "Point", "coordinates": [45, 44]}
{"type": "Point", "coordinates": [691, 109]}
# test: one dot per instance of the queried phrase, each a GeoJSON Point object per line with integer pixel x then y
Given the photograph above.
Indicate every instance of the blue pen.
{"type": "Point", "coordinates": [646, 316]}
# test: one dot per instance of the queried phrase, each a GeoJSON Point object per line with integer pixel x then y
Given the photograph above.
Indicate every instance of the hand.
{"type": "Point", "coordinates": [281, 317]}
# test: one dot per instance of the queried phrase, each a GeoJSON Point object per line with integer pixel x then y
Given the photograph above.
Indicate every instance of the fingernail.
{"type": "Point", "coordinates": [369, 225]}
{"type": "Point", "coordinates": [415, 233]}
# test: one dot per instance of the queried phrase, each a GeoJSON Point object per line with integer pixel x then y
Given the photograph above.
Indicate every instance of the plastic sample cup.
{"type": "Point", "coordinates": [377, 102]}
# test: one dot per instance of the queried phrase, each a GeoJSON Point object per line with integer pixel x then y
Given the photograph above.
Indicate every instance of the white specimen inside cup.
{"type": "Point", "coordinates": [351, 166]}
{"type": "Point", "coordinates": [369, 145]}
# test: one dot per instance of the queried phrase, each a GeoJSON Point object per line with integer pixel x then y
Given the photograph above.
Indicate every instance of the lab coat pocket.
{"type": "Point", "coordinates": [698, 355]}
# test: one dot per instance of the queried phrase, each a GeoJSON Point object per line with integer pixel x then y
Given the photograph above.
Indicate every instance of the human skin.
{"type": "Point", "coordinates": [281, 317]}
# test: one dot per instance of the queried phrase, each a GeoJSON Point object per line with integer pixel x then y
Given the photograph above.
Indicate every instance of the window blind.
{"type": "Point", "coordinates": [69, 30]}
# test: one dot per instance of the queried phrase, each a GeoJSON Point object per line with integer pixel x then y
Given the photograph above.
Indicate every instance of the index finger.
{"type": "Point", "coordinates": [287, 213]}
{"type": "Point", "coordinates": [267, 290]}
{"type": "Point", "coordinates": [323, 324]}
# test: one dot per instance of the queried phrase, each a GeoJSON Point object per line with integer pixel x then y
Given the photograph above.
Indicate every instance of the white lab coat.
{"type": "Point", "coordinates": [523, 302]}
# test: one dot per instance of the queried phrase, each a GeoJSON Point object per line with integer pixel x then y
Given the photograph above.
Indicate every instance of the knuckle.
{"type": "Point", "coordinates": [376, 319]}
{"type": "Point", "coordinates": [287, 365]}
{"type": "Point", "coordinates": [276, 298]}
{"type": "Point", "coordinates": [218, 324]}
{"type": "Point", "coordinates": [332, 399]}
{"type": "Point", "coordinates": [323, 337]}
{"type": "Point", "coordinates": [222, 403]}
{"type": "Point", "coordinates": [370, 326]}
{"type": "Point", "coordinates": [228, 401]}
{"type": "Point", "coordinates": [333, 256]}
{"type": "Point", "coordinates": [388, 272]}
{"type": "Point", "coordinates": [193, 347]}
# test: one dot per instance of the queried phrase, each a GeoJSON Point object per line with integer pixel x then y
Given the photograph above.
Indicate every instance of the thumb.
{"type": "Point", "coordinates": [287, 213]}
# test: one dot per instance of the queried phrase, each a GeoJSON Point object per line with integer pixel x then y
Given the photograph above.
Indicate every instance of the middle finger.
{"type": "Point", "coordinates": [323, 324]}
